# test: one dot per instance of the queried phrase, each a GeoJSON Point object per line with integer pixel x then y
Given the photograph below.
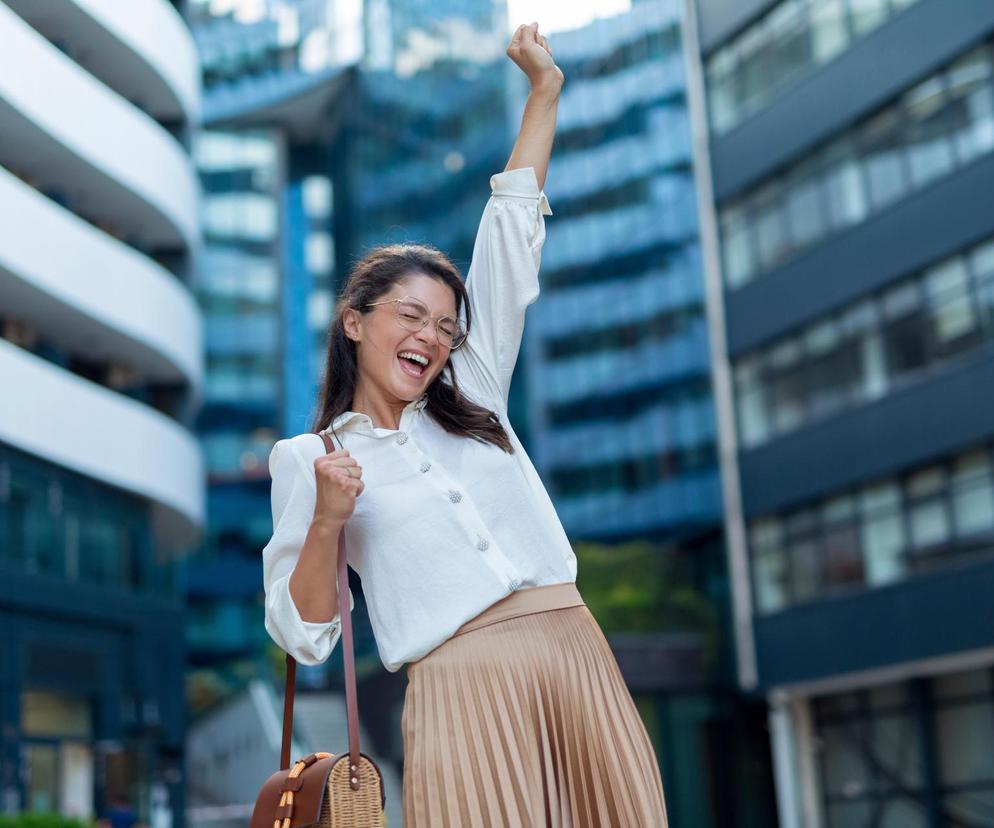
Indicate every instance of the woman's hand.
{"type": "Point", "coordinates": [531, 52]}
{"type": "Point", "coordinates": [338, 476]}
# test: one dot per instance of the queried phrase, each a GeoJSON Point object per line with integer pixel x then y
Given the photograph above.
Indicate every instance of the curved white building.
{"type": "Point", "coordinates": [101, 364]}
{"type": "Point", "coordinates": [100, 334]}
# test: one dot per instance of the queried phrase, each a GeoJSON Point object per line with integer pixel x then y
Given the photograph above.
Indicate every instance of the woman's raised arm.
{"type": "Point", "coordinates": [533, 146]}
{"type": "Point", "coordinates": [503, 274]}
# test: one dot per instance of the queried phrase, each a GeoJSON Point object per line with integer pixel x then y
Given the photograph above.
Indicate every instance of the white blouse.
{"type": "Point", "coordinates": [446, 526]}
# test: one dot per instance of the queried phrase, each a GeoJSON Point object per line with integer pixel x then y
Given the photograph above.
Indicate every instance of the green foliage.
{"type": "Point", "coordinates": [642, 587]}
{"type": "Point", "coordinates": [42, 819]}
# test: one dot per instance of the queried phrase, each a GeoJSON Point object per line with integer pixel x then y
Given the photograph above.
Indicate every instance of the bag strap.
{"type": "Point", "coordinates": [348, 654]}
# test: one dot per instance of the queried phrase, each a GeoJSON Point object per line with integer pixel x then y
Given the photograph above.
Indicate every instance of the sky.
{"type": "Point", "coordinates": [559, 15]}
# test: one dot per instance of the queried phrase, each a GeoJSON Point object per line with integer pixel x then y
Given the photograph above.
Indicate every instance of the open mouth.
{"type": "Point", "coordinates": [411, 366]}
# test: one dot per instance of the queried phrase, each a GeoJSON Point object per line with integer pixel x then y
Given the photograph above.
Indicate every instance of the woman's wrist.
{"type": "Point", "coordinates": [546, 90]}
{"type": "Point", "coordinates": [547, 84]}
{"type": "Point", "coordinates": [322, 524]}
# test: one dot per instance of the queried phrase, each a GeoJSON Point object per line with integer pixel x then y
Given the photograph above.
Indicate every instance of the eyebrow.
{"type": "Point", "coordinates": [454, 314]}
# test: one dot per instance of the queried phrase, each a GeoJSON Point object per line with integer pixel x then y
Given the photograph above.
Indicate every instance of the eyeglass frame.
{"type": "Point", "coordinates": [430, 318]}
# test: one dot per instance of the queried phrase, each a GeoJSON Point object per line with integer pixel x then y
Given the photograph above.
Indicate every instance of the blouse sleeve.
{"type": "Point", "coordinates": [294, 492]}
{"type": "Point", "coordinates": [502, 282]}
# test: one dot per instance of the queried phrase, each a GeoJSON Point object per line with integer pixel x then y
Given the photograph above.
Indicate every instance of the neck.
{"type": "Point", "coordinates": [383, 413]}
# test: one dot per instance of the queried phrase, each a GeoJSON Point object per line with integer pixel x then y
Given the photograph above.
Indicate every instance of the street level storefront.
{"type": "Point", "coordinates": [92, 649]}
{"type": "Point", "coordinates": [912, 753]}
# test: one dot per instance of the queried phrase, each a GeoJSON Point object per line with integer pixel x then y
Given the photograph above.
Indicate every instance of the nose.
{"type": "Point", "coordinates": [428, 334]}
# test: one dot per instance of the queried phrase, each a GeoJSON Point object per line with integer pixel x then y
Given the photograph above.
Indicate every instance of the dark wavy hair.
{"type": "Point", "coordinates": [371, 278]}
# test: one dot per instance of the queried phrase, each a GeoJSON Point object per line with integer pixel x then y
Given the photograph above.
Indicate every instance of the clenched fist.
{"type": "Point", "coordinates": [339, 483]}
{"type": "Point", "coordinates": [531, 52]}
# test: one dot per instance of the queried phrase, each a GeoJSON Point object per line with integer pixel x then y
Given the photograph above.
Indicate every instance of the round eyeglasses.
{"type": "Point", "coordinates": [413, 315]}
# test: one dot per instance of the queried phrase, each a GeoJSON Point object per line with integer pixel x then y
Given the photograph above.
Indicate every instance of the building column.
{"type": "Point", "coordinates": [794, 768]}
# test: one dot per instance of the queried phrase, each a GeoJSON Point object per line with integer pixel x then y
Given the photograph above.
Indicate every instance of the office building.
{"type": "Point", "coordinates": [845, 154]}
{"type": "Point", "coordinates": [100, 353]}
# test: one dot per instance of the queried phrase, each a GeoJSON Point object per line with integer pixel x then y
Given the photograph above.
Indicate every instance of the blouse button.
{"type": "Point", "coordinates": [482, 544]}
{"type": "Point", "coordinates": [425, 466]}
{"type": "Point", "coordinates": [455, 496]}
{"type": "Point", "coordinates": [402, 437]}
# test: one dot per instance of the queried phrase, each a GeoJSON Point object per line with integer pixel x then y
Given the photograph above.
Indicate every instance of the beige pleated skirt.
{"type": "Point", "coordinates": [522, 718]}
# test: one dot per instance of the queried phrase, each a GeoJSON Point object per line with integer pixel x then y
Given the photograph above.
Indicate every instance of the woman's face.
{"type": "Point", "coordinates": [381, 338]}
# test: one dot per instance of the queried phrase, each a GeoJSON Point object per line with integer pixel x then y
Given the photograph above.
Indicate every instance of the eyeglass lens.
{"type": "Point", "coordinates": [413, 315]}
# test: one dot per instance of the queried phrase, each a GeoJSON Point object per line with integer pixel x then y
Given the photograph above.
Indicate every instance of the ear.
{"type": "Point", "coordinates": [351, 325]}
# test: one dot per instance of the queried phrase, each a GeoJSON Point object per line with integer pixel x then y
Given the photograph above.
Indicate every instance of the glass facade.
{"type": "Point", "coordinates": [239, 294]}
{"type": "Point", "coordinates": [875, 534]}
{"type": "Point", "coordinates": [617, 343]}
{"type": "Point", "coordinates": [897, 754]}
{"type": "Point", "coordinates": [240, 291]}
{"type": "Point", "coordinates": [939, 125]}
{"type": "Point", "coordinates": [782, 47]}
{"type": "Point", "coordinates": [869, 348]}
{"type": "Point", "coordinates": [278, 40]}
{"type": "Point", "coordinates": [54, 522]}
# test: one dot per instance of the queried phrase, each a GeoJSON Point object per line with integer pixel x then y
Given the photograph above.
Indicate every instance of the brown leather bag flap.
{"type": "Point", "coordinates": [313, 782]}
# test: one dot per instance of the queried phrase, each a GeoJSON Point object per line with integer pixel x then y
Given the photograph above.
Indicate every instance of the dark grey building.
{"type": "Point", "coordinates": [620, 406]}
{"type": "Point", "coordinates": [845, 153]}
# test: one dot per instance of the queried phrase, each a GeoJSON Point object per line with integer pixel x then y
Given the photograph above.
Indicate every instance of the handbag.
{"type": "Point", "coordinates": [324, 789]}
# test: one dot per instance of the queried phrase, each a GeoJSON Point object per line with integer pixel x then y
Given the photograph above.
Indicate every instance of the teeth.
{"type": "Point", "coordinates": [418, 357]}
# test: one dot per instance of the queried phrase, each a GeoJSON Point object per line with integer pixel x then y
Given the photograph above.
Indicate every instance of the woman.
{"type": "Point", "coordinates": [515, 712]}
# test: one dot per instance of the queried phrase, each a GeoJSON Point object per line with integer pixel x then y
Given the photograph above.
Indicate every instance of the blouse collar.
{"type": "Point", "coordinates": [347, 417]}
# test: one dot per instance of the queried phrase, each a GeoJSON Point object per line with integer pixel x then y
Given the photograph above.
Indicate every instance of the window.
{"type": "Point", "coordinates": [845, 768]}
{"type": "Point", "coordinates": [882, 533]}
{"type": "Point", "coordinates": [805, 558]}
{"type": "Point", "coordinates": [753, 419]}
{"type": "Point", "coordinates": [867, 15]}
{"type": "Point", "coordinates": [873, 536]}
{"type": "Point", "coordinates": [964, 743]}
{"type": "Point", "coordinates": [944, 121]}
{"type": "Point", "coordinates": [722, 89]}
{"type": "Point", "coordinates": [766, 539]}
{"type": "Point", "coordinates": [829, 368]}
{"type": "Point", "coordinates": [953, 321]}
{"type": "Point", "coordinates": [930, 150]}
{"type": "Point", "coordinates": [897, 741]}
{"type": "Point", "coordinates": [903, 343]}
{"type": "Point", "coordinates": [789, 36]}
{"type": "Point", "coordinates": [786, 385]}
{"type": "Point", "coordinates": [860, 352]}
{"type": "Point", "coordinates": [982, 265]}
{"type": "Point", "coordinates": [737, 249]}
{"type": "Point", "coordinates": [770, 220]}
{"type": "Point", "coordinates": [844, 190]}
{"type": "Point", "coordinates": [881, 749]}
{"type": "Point", "coordinates": [973, 494]}
{"type": "Point", "coordinates": [806, 205]}
{"type": "Point", "coordinates": [781, 47]}
{"type": "Point", "coordinates": [971, 104]}
{"type": "Point", "coordinates": [843, 560]}
{"type": "Point", "coordinates": [753, 53]}
{"type": "Point", "coordinates": [929, 518]}
{"type": "Point", "coordinates": [883, 158]}
{"type": "Point", "coordinates": [829, 33]}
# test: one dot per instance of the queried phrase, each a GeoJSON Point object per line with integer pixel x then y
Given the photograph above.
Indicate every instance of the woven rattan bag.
{"type": "Point", "coordinates": [324, 789]}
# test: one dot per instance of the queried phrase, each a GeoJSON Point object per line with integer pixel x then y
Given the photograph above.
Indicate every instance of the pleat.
{"type": "Point", "coordinates": [527, 722]}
